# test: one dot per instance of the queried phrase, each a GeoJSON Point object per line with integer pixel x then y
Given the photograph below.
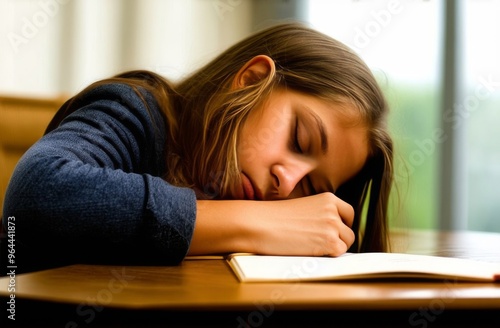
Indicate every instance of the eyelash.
{"type": "Point", "coordinates": [296, 144]}
{"type": "Point", "coordinates": [297, 148]}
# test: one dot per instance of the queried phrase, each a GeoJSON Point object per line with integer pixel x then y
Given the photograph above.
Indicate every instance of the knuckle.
{"type": "Point", "coordinates": [338, 249]}
{"type": "Point", "coordinates": [332, 224]}
{"type": "Point", "coordinates": [328, 197]}
{"type": "Point", "coordinates": [335, 245]}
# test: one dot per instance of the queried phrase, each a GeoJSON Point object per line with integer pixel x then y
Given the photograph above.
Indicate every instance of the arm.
{"type": "Point", "coordinates": [314, 226]}
{"type": "Point", "coordinates": [91, 188]}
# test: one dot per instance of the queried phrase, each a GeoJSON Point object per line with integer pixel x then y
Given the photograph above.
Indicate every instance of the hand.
{"type": "Point", "coordinates": [316, 225]}
{"type": "Point", "coordinates": [311, 226]}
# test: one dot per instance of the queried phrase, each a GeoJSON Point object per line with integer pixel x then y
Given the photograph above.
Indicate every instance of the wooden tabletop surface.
{"type": "Point", "coordinates": [209, 284]}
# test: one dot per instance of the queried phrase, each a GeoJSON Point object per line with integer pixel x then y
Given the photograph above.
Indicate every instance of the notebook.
{"type": "Point", "coordinates": [357, 266]}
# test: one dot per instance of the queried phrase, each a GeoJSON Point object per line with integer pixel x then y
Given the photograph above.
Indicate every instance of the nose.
{"type": "Point", "coordinates": [287, 174]}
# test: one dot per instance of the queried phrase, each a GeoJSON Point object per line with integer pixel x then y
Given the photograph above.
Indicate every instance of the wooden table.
{"type": "Point", "coordinates": [206, 292]}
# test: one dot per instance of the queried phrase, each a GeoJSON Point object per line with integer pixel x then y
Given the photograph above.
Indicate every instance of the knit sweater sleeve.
{"type": "Point", "coordinates": [91, 190]}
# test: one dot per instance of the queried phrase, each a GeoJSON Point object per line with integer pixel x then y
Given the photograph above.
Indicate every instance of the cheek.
{"type": "Point", "coordinates": [263, 137]}
{"type": "Point", "coordinates": [255, 146]}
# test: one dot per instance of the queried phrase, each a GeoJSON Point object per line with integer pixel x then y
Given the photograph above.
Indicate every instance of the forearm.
{"type": "Point", "coordinates": [95, 182]}
{"type": "Point", "coordinates": [303, 226]}
{"type": "Point", "coordinates": [224, 227]}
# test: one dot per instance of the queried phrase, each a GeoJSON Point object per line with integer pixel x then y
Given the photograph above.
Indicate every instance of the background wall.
{"type": "Point", "coordinates": [59, 46]}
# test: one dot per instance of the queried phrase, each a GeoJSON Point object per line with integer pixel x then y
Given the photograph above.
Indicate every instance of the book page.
{"type": "Point", "coordinates": [360, 266]}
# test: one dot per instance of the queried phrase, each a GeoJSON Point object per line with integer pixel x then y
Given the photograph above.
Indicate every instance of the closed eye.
{"type": "Point", "coordinates": [295, 138]}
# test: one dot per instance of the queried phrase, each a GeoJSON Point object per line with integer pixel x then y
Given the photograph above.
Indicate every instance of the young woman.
{"type": "Point", "coordinates": [273, 148]}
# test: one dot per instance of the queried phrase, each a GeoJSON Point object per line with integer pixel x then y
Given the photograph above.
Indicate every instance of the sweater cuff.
{"type": "Point", "coordinates": [170, 218]}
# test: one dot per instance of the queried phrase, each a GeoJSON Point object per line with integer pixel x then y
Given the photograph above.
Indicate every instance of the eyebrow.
{"type": "Point", "coordinates": [321, 129]}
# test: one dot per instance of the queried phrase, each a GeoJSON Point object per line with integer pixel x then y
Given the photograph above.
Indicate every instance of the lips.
{"type": "Point", "coordinates": [248, 188]}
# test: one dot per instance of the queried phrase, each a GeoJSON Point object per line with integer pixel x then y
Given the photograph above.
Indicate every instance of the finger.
{"type": "Point", "coordinates": [347, 236]}
{"type": "Point", "coordinates": [340, 240]}
{"type": "Point", "coordinates": [336, 247]}
{"type": "Point", "coordinates": [346, 212]}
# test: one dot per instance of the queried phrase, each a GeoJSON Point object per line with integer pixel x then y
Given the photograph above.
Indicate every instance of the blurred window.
{"type": "Point", "coordinates": [401, 42]}
{"type": "Point", "coordinates": [481, 113]}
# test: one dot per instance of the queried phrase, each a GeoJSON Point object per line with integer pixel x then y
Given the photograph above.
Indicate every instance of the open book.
{"type": "Point", "coordinates": [352, 266]}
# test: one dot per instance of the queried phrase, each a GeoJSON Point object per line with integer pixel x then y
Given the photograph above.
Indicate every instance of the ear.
{"type": "Point", "coordinates": [256, 69]}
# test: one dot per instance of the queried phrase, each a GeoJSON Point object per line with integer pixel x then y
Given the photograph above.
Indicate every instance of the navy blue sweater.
{"type": "Point", "coordinates": [90, 191]}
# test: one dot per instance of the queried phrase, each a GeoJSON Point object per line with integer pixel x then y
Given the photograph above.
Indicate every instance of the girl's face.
{"type": "Point", "coordinates": [297, 145]}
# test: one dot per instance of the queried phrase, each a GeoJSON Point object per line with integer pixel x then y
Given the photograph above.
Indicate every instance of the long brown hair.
{"type": "Point", "coordinates": [204, 115]}
{"type": "Point", "coordinates": [306, 61]}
